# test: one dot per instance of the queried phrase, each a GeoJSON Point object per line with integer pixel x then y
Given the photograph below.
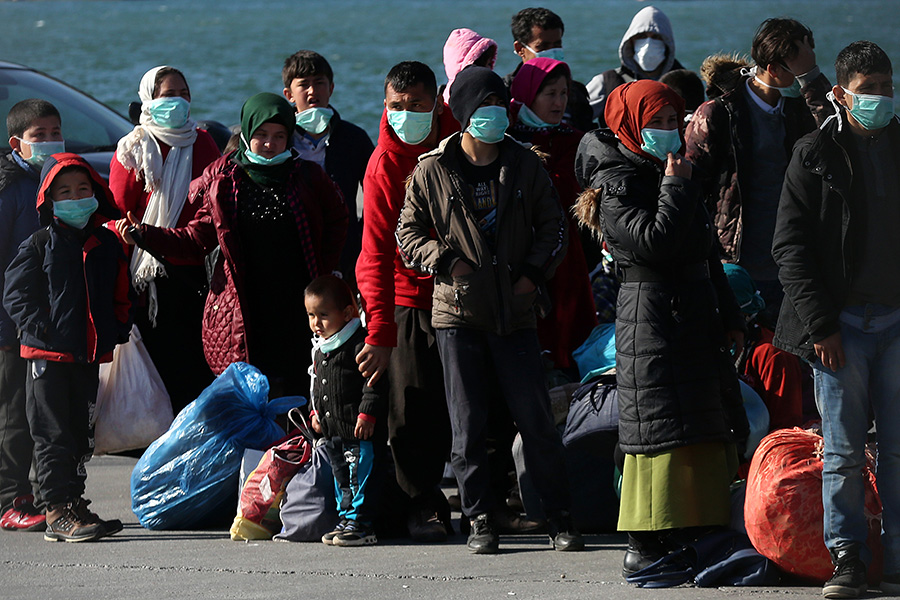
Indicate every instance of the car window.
{"type": "Point", "coordinates": [87, 125]}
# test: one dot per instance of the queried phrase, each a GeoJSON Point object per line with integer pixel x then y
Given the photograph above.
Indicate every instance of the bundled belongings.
{"type": "Point", "coordinates": [189, 472]}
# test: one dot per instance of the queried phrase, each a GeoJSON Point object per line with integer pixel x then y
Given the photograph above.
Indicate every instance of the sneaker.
{"type": "Point", "coordinates": [110, 527]}
{"type": "Point", "coordinates": [355, 534]}
{"type": "Point", "coordinates": [890, 584]}
{"type": "Point", "coordinates": [849, 577]}
{"type": "Point", "coordinates": [483, 538]}
{"type": "Point", "coordinates": [328, 538]}
{"type": "Point", "coordinates": [563, 535]}
{"type": "Point", "coordinates": [64, 524]}
{"type": "Point", "coordinates": [425, 526]}
{"type": "Point", "coordinates": [23, 516]}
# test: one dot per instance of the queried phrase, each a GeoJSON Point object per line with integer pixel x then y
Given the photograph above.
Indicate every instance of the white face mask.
{"type": "Point", "coordinates": [649, 53]}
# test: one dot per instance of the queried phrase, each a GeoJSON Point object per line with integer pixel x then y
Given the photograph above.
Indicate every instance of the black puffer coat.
{"type": "Point", "coordinates": [675, 380]}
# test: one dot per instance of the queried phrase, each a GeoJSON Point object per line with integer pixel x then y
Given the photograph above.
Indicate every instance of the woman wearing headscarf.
{"type": "Point", "coordinates": [465, 47]}
{"type": "Point", "coordinates": [279, 222]}
{"type": "Point", "coordinates": [680, 410]}
{"type": "Point", "coordinates": [149, 176]}
{"type": "Point", "coordinates": [539, 94]}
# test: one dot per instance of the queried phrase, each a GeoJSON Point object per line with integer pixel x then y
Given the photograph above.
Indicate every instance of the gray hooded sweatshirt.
{"type": "Point", "coordinates": [647, 20]}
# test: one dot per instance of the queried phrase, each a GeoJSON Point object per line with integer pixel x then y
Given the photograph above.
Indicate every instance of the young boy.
{"type": "Point", "coordinates": [336, 145]}
{"type": "Point", "coordinates": [68, 291]}
{"type": "Point", "coordinates": [482, 216]}
{"type": "Point", "coordinates": [34, 129]}
{"type": "Point", "coordinates": [346, 409]}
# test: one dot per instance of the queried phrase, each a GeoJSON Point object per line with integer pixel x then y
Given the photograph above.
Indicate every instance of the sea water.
{"type": "Point", "coordinates": [231, 49]}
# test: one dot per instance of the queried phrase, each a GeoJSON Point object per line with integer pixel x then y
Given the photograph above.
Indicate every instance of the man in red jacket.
{"type": "Point", "coordinates": [397, 300]}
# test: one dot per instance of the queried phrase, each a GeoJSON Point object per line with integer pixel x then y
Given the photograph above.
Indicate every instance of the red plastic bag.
{"type": "Point", "coordinates": [783, 509]}
{"type": "Point", "coordinates": [258, 511]}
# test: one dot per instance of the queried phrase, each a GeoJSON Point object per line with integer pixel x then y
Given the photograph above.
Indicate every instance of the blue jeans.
{"type": "Point", "coordinates": [870, 336]}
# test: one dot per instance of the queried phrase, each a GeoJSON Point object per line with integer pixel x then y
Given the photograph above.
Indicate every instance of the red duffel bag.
{"type": "Point", "coordinates": [783, 509]}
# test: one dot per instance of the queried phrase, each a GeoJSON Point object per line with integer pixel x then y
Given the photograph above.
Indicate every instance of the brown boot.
{"type": "Point", "coordinates": [109, 527]}
{"type": "Point", "coordinates": [64, 524]}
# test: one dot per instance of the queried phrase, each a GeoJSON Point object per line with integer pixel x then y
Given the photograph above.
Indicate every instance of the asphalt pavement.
{"type": "Point", "coordinates": [138, 564]}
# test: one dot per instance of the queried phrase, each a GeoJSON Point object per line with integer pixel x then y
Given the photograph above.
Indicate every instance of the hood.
{"type": "Point", "coordinates": [648, 19]}
{"type": "Point", "coordinates": [722, 72]}
{"type": "Point", "coordinates": [462, 48]}
{"type": "Point", "coordinates": [388, 140]}
{"type": "Point", "coordinates": [531, 75]}
{"type": "Point", "coordinates": [106, 206]}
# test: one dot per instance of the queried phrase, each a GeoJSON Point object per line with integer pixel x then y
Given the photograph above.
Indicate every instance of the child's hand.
{"type": "Point", "coordinates": [364, 429]}
{"type": "Point", "coordinates": [317, 427]}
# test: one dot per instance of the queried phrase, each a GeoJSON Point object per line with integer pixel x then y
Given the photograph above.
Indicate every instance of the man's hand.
{"type": "Point", "coordinates": [123, 225]}
{"type": "Point", "coordinates": [373, 362]}
{"type": "Point", "coordinates": [314, 422]}
{"type": "Point", "coordinates": [805, 59]}
{"type": "Point", "coordinates": [678, 166]}
{"type": "Point", "coordinates": [364, 429]}
{"type": "Point", "coordinates": [523, 286]}
{"type": "Point", "coordinates": [831, 351]}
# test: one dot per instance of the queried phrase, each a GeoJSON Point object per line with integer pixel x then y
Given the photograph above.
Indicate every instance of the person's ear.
{"type": "Point", "coordinates": [840, 96]}
{"type": "Point", "coordinates": [519, 49]}
{"type": "Point", "coordinates": [349, 313]}
{"type": "Point", "coordinates": [438, 106]}
{"type": "Point", "coordinates": [287, 94]}
{"type": "Point", "coordinates": [15, 144]}
{"type": "Point", "coordinates": [331, 90]}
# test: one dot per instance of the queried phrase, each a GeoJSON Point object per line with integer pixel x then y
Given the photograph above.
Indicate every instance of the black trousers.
{"type": "Point", "coordinates": [418, 425]}
{"type": "Point", "coordinates": [16, 446]}
{"type": "Point", "coordinates": [473, 362]}
{"type": "Point", "coordinates": [60, 403]}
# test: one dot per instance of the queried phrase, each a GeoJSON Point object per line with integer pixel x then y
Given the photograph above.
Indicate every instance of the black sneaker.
{"type": "Point", "coordinates": [890, 584]}
{"type": "Point", "coordinates": [849, 577]}
{"type": "Point", "coordinates": [328, 538]}
{"type": "Point", "coordinates": [355, 534]}
{"type": "Point", "coordinates": [563, 535]}
{"type": "Point", "coordinates": [425, 526]}
{"type": "Point", "coordinates": [483, 538]}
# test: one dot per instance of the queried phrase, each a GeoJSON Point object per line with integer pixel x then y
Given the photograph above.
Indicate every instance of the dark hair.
{"type": "Point", "coordinates": [774, 41]}
{"type": "Point", "coordinates": [553, 76]}
{"type": "Point", "coordinates": [305, 63]}
{"type": "Point", "coordinates": [331, 288]}
{"type": "Point", "coordinates": [410, 73]}
{"type": "Point", "coordinates": [524, 21]}
{"type": "Point", "coordinates": [165, 72]}
{"type": "Point", "coordinates": [861, 57]}
{"type": "Point", "coordinates": [24, 113]}
{"type": "Point", "coordinates": [688, 85]}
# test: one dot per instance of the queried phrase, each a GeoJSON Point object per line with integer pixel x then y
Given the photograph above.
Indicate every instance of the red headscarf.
{"type": "Point", "coordinates": [631, 106]}
{"type": "Point", "coordinates": [531, 75]}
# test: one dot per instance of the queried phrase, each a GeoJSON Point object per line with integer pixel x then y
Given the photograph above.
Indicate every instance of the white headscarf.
{"type": "Point", "coordinates": [167, 182]}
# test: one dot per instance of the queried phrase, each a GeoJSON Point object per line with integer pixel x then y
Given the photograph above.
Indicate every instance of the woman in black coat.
{"type": "Point", "coordinates": [680, 409]}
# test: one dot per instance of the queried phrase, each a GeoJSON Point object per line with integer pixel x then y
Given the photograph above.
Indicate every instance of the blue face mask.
{"type": "Point", "coordinates": [411, 127]}
{"type": "Point", "coordinates": [41, 151]}
{"type": "Point", "coordinates": [262, 161]}
{"type": "Point", "coordinates": [488, 124]}
{"type": "Point", "coordinates": [171, 113]}
{"type": "Point", "coordinates": [75, 213]}
{"type": "Point", "coordinates": [871, 111]}
{"type": "Point", "coordinates": [554, 53]}
{"type": "Point", "coordinates": [529, 118]}
{"type": "Point", "coordinates": [659, 142]}
{"type": "Point", "coordinates": [315, 120]}
{"type": "Point", "coordinates": [792, 91]}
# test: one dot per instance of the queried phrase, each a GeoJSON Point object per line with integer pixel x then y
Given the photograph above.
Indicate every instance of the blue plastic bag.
{"type": "Point", "coordinates": [184, 474]}
{"type": "Point", "coordinates": [597, 354]}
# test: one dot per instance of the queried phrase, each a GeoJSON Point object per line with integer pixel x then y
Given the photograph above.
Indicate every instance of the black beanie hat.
{"type": "Point", "coordinates": [471, 87]}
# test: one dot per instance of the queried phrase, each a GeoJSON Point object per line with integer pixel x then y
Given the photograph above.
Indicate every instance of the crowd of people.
{"type": "Point", "coordinates": [746, 237]}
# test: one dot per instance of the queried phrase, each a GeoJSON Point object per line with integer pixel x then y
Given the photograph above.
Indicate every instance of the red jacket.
{"type": "Point", "coordinates": [382, 279]}
{"type": "Point", "coordinates": [128, 190]}
{"type": "Point", "coordinates": [224, 328]}
{"type": "Point", "coordinates": [777, 376]}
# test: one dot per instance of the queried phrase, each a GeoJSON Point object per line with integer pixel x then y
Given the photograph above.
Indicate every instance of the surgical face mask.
{"type": "Point", "coordinates": [871, 111]}
{"type": "Point", "coordinates": [41, 151]}
{"type": "Point", "coordinates": [169, 112]}
{"type": "Point", "coordinates": [649, 53]}
{"type": "Point", "coordinates": [554, 53]}
{"type": "Point", "coordinates": [315, 120]}
{"type": "Point", "coordinates": [488, 124]}
{"type": "Point", "coordinates": [529, 118]}
{"type": "Point", "coordinates": [792, 91]}
{"type": "Point", "coordinates": [659, 142]}
{"type": "Point", "coordinates": [262, 161]}
{"type": "Point", "coordinates": [411, 127]}
{"type": "Point", "coordinates": [75, 213]}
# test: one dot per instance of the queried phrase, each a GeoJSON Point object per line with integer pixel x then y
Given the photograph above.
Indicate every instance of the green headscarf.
{"type": "Point", "coordinates": [264, 108]}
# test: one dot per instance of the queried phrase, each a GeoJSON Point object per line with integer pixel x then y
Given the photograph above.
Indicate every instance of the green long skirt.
{"type": "Point", "coordinates": [684, 487]}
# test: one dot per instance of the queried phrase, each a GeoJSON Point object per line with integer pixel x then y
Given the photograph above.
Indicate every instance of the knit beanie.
{"type": "Point", "coordinates": [744, 289]}
{"type": "Point", "coordinates": [471, 87]}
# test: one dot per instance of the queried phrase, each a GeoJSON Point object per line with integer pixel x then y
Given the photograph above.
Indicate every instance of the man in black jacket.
{"type": "Point", "coordinates": [839, 261]}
